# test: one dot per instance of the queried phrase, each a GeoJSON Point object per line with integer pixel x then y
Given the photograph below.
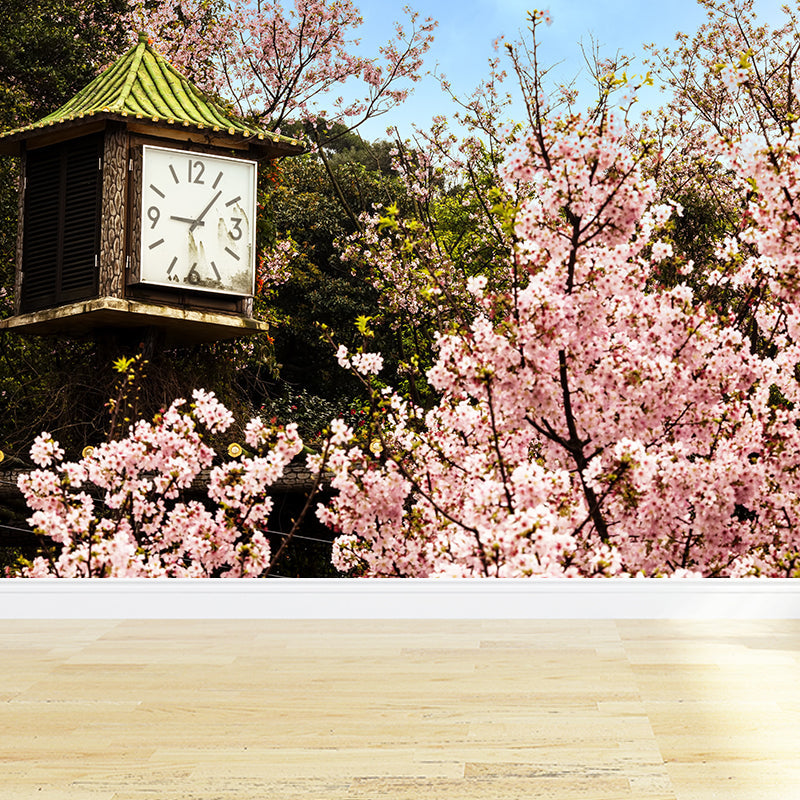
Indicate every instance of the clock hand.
{"type": "Point", "coordinates": [199, 220]}
{"type": "Point", "coordinates": [186, 219]}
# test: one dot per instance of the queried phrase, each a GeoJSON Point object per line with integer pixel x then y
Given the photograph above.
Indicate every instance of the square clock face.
{"type": "Point", "coordinates": [198, 221]}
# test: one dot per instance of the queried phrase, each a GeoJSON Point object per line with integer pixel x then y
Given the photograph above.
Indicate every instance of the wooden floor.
{"type": "Point", "coordinates": [215, 710]}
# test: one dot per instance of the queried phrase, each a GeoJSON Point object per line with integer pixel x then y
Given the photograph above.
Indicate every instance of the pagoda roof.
{"type": "Point", "coordinates": [143, 85]}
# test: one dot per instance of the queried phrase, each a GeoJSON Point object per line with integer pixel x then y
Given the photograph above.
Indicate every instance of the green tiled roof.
{"type": "Point", "coordinates": [144, 85]}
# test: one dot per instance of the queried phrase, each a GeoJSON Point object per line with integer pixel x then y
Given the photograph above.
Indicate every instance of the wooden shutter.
{"type": "Point", "coordinates": [40, 234]}
{"type": "Point", "coordinates": [61, 223]}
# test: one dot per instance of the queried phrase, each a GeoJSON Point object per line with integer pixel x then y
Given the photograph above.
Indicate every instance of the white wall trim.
{"type": "Point", "coordinates": [402, 598]}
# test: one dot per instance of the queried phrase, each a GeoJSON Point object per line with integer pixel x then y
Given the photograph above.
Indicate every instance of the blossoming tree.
{"type": "Point", "coordinates": [119, 511]}
{"type": "Point", "coordinates": [589, 421]}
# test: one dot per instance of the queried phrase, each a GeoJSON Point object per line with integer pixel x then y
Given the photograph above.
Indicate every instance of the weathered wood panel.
{"type": "Point", "coordinates": [447, 709]}
{"type": "Point", "coordinates": [134, 212]}
{"type": "Point", "coordinates": [20, 234]}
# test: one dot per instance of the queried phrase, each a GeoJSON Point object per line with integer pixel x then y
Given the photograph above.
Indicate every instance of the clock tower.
{"type": "Point", "coordinates": [138, 209]}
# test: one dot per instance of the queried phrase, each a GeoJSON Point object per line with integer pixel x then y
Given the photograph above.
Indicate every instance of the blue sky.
{"type": "Point", "coordinates": [468, 28]}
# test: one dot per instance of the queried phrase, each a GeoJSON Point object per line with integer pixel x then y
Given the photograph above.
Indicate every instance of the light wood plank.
{"type": "Point", "coordinates": [456, 710]}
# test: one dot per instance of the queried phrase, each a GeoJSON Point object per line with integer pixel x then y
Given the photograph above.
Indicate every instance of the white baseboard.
{"type": "Point", "coordinates": [403, 598]}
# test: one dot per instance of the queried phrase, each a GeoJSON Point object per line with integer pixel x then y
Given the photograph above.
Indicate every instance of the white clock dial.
{"type": "Point", "coordinates": [198, 221]}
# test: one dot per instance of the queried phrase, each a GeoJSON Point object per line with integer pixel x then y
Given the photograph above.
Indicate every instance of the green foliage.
{"type": "Point", "coordinates": [344, 146]}
{"type": "Point", "coordinates": [52, 48]}
{"type": "Point", "coordinates": [322, 291]}
{"type": "Point", "coordinates": [312, 413]}
{"type": "Point", "coordinates": [47, 382]}
{"type": "Point", "coordinates": [124, 405]}
{"type": "Point", "coordinates": [362, 326]}
{"type": "Point", "coordinates": [711, 203]}
{"type": "Point", "coordinates": [64, 386]}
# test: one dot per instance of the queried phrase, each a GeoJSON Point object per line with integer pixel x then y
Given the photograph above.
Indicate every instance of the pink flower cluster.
{"type": "Point", "coordinates": [363, 363]}
{"type": "Point", "coordinates": [590, 423]}
{"type": "Point", "coordinates": [120, 512]}
{"type": "Point", "coordinates": [274, 266]}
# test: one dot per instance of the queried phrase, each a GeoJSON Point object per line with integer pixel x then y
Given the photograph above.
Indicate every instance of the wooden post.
{"type": "Point", "coordinates": [111, 278]}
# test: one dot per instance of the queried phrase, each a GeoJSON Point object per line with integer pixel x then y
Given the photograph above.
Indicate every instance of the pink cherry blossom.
{"type": "Point", "coordinates": [120, 512]}
{"type": "Point", "coordinates": [588, 422]}
{"type": "Point", "coordinates": [278, 61]}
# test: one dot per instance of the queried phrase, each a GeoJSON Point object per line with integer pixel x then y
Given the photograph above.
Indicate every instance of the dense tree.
{"type": "Point", "coordinates": [733, 76]}
{"type": "Point", "coordinates": [592, 420]}
{"type": "Point", "coordinates": [733, 79]}
{"type": "Point", "coordinates": [322, 296]}
{"type": "Point", "coordinates": [52, 48]}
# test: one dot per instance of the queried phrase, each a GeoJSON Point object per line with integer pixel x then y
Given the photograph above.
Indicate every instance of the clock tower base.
{"type": "Point", "coordinates": [181, 326]}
